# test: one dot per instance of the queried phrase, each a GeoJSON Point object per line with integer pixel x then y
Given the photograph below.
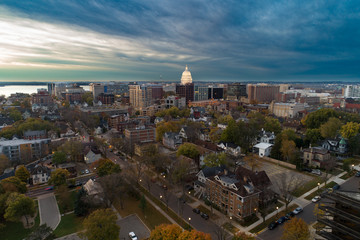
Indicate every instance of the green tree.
{"type": "Point", "coordinates": [315, 119]}
{"type": "Point", "coordinates": [22, 173]}
{"type": "Point", "coordinates": [101, 225]}
{"type": "Point", "coordinates": [312, 136]}
{"type": "Point", "coordinates": [13, 184]}
{"type": "Point", "coordinates": [19, 205]}
{"type": "Point", "coordinates": [64, 198]}
{"type": "Point", "coordinates": [59, 176]}
{"type": "Point", "coordinates": [87, 98]}
{"type": "Point", "coordinates": [288, 149]}
{"type": "Point", "coordinates": [15, 114]}
{"type": "Point", "coordinates": [214, 160]}
{"type": "Point", "coordinates": [59, 157]}
{"type": "Point", "coordinates": [296, 229]}
{"type": "Point", "coordinates": [105, 167]}
{"type": "Point", "coordinates": [188, 150]}
{"type": "Point", "coordinates": [142, 204]}
{"type": "Point", "coordinates": [272, 125]}
{"type": "Point", "coordinates": [350, 130]}
{"type": "Point", "coordinates": [4, 162]}
{"type": "Point", "coordinates": [164, 127]}
{"type": "Point", "coordinates": [330, 128]}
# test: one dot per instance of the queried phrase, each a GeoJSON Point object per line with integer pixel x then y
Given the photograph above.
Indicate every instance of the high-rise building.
{"type": "Point", "coordinates": [215, 93]}
{"type": "Point", "coordinates": [236, 90]}
{"type": "Point", "coordinates": [262, 93]}
{"type": "Point", "coordinates": [96, 89]}
{"type": "Point", "coordinates": [186, 91]}
{"type": "Point", "coordinates": [352, 91]}
{"type": "Point", "coordinates": [42, 98]}
{"type": "Point", "coordinates": [201, 93]}
{"type": "Point", "coordinates": [156, 91]}
{"type": "Point", "coordinates": [186, 76]}
{"type": "Point", "coordinates": [140, 96]}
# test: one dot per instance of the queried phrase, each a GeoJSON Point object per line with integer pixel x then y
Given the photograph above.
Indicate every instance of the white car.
{"type": "Point", "coordinates": [316, 172]}
{"type": "Point", "coordinates": [297, 210]}
{"type": "Point", "coordinates": [132, 236]}
{"type": "Point", "coordinates": [316, 199]}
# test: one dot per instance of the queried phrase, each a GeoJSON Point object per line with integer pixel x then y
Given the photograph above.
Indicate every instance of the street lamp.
{"type": "Point", "coordinates": [230, 217]}
{"type": "Point", "coordinates": [318, 186]}
{"type": "Point", "coordinates": [277, 211]}
{"type": "Point", "coordinates": [352, 167]}
{"type": "Point", "coordinates": [189, 221]}
{"type": "Point", "coordinates": [160, 196]}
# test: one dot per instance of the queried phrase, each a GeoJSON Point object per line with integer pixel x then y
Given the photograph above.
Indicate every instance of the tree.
{"type": "Point", "coordinates": [105, 167]}
{"type": "Point", "coordinates": [180, 170]}
{"type": "Point", "coordinates": [215, 134]}
{"type": "Point", "coordinates": [4, 162]}
{"type": "Point", "coordinates": [330, 128]}
{"type": "Point", "coordinates": [194, 235]}
{"type": "Point", "coordinates": [350, 130]}
{"type": "Point", "coordinates": [18, 205]}
{"type": "Point", "coordinates": [188, 150]}
{"type": "Point", "coordinates": [13, 184]}
{"type": "Point", "coordinates": [272, 125]}
{"type": "Point", "coordinates": [64, 198]}
{"type": "Point", "coordinates": [315, 119]}
{"type": "Point", "coordinates": [214, 160]}
{"type": "Point", "coordinates": [101, 225]}
{"type": "Point", "coordinates": [288, 149]}
{"type": "Point", "coordinates": [296, 229]}
{"type": "Point", "coordinates": [252, 162]}
{"type": "Point", "coordinates": [328, 165]}
{"type": "Point", "coordinates": [15, 114]}
{"type": "Point", "coordinates": [102, 145]}
{"type": "Point", "coordinates": [165, 232]}
{"type": "Point", "coordinates": [312, 136]}
{"type": "Point", "coordinates": [59, 157]}
{"type": "Point", "coordinates": [22, 173]}
{"type": "Point", "coordinates": [164, 127]}
{"type": "Point", "coordinates": [114, 187]}
{"type": "Point", "coordinates": [59, 176]}
{"type": "Point", "coordinates": [88, 98]}
{"type": "Point", "coordinates": [81, 207]}
{"type": "Point", "coordinates": [72, 149]}
{"type": "Point", "coordinates": [142, 204]}
{"type": "Point", "coordinates": [42, 232]}
{"type": "Point", "coordinates": [287, 185]}
{"type": "Point", "coordinates": [243, 236]}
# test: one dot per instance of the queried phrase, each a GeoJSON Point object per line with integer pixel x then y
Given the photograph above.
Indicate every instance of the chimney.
{"type": "Point", "coordinates": [225, 171]}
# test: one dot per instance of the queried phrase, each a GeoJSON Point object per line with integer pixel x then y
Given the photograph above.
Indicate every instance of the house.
{"type": "Point", "coordinates": [335, 145]}
{"type": "Point", "coordinates": [141, 149]}
{"type": "Point", "coordinates": [266, 137]}
{"type": "Point", "coordinates": [37, 134]}
{"type": "Point", "coordinates": [204, 134]}
{"type": "Point", "coordinates": [91, 155]}
{"type": "Point", "coordinates": [94, 190]}
{"type": "Point", "coordinates": [172, 140]}
{"type": "Point", "coordinates": [230, 148]}
{"type": "Point", "coordinates": [9, 172]}
{"type": "Point", "coordinates": [70, 167]}
{"type": "Point", "coordinates": [316, 156]}
{"type": "Point", "coordinates": [185, 133]}
{"type": "Point", "coordinates": [237, 194]}
{"type": "Point", "coordinates": [263, 149]}
{"type": "Point", "coordinates": [40, 174]}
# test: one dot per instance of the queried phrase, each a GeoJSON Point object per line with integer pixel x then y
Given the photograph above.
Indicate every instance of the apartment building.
{"type": "Point", "coordinates": [140, 134]}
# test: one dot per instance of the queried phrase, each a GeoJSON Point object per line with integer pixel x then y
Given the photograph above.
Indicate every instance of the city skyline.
{"type": "Point", "coordinates": [154, 40]}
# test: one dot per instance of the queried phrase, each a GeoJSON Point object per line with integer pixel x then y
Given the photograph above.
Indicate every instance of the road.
{"type": "Point", "coordinates": [308, 214]}
{"type": "Point", "coordinates": [49, 211]}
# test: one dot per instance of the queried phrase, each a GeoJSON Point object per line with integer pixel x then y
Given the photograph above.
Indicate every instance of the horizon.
{"type": "Point", "coordinates": [154, 40]}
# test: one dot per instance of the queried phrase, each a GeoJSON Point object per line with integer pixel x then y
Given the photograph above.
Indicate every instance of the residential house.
{"type": "Point", "coordinates": [39, 174]}
{"type": "Point", "coordinates": [338, 146]}
{"type": "Point", "coordinates": [172, 140]}
{"type": "Point", "coordinates": [91, 155]}
{"type": "Point", "coordinates": [230, 148]}
{"type": "Point", "coordinates": [37, 134]}
{"type": "Point", "coordinates": [316, 156]}
{"type": "Point", "coordinates": [266, 137]}
{"type": "Point", "coordinates": [185, 133]}
{"type": "Point", "coordinates": [263, 149]}
{"type": "Point", "coordinates": [204, 134]}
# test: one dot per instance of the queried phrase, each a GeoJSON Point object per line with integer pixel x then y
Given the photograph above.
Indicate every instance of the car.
{"type": "Point", "coordinates": [305, 169]}
{"type": "Point", "coordinates": [281, 220]}
{"type": "Point", "coordinates": [49, 188]}
{"type": "Point", "coordinates": [204, 216]}
{"type": "Point", "coordinates": [316, 199]}
{"type": "Point", "coordinates": [132, 236]}
{"type": "Point", "coordinates": [297, 210]}
{"type": "Point", "coordinates": [87, 171]}
{"type": "Point", "coordinates": [316, 172]}
{"type": "Point", "coordinates": [165, 187]}
{"type": "Point", "coordinates": [289, 215]}
{"type": "Point", "coordinates": [357, 174]}
{"type": "Point", "coordinates": [189, 187]}
{"type": "Point", "coordinates": [196, 210]}
{"type": "Point", "coordinates": [272, 225]}
{"type": "Point", "coordinates": [336, 187]}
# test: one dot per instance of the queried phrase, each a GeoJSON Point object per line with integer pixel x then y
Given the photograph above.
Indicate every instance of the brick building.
{"type": "Point", "coordinates": [316, 156]}
{"type": "Point", "coordinates": [186, 91]}
{"type": "Point", "coordinates": [106, 98]}
{"type": "Point", "coordinates": [140, 135]}
{"type": "Point", "coordinates": [42, 98]}
{"type": "Point", "coordinates": [262, 93]}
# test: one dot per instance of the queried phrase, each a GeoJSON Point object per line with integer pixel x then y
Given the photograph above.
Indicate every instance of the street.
{"type": "Point", "coordinates": [49, 211]}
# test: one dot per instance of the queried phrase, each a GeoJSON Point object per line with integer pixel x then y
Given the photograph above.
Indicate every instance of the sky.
{"type": "Point", "coordinates": [152, 40]}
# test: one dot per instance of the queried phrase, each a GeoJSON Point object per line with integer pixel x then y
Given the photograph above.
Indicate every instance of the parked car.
{"type": "Point", "coordinates": [357, 174]}
{"type": "Point", "coordinates": [289, 215]}
{"type": "Point", "coordinates": [49, 188]}
{"type": "Point", "coordinates": [87, 171]}
{"type": "Point", "coordinates": [272, 225]}
{"type": "Point", "coordinates": [306, 169]}
{"type": "Point", "coordinates": [281, 220]}
{"type": "Point", "coordinates": [204, 216]}
{"type": "Point", "coordinates": [316, 199]}
{"type": "Point", "coordinates": [196, 210]}
{"type": "Point", "coordinates": [297, 210]}
{"type": "Point", "coordinates": [132, 236]}
{"type": "Point", "coordinates": [336, 187]}
{"type": "Point", "coordinates": [316, 172]}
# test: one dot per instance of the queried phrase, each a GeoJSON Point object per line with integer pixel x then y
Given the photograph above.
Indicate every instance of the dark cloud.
{"type": "Point", "coordinates": [229, 40]}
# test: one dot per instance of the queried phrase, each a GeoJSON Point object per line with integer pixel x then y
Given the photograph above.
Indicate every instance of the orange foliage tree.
{"type": "Point", "coordinates": [172, 231]}
{"type": "Point", "coordinates": [296, 229]}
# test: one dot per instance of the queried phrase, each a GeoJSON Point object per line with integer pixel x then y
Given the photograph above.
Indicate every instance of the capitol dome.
{"type": "Point", "coordinates": [186, 76]}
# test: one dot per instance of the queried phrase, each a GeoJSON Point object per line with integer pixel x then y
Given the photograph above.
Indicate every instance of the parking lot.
{"type": "Point", "coordinates": [132, 223]}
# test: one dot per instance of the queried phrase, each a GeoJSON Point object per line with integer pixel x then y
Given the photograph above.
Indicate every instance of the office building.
{"type": "Point", "coordinates": [186, 91]}
{"type": "Point", "coordinates": [236, 91]}
{"type": "Point", "coordinates": [140, 134]}
{"type": "Point", "coordinates": [262, 93]}
{"type": "Point", "coordinates": [352, 91]}
{"type": "Point", "coordinates": [287, 110]}
{"type": "Point", "coordinates": [140, 96]}
{"type": "Point", "coordinates": [201, 93]}
{"type": "Point", "coordinates": [215, 93]}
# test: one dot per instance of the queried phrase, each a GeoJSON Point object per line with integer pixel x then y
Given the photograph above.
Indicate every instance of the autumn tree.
{"type": "Point", "coordinates": [330, 128]}
{"type": "Point", "coordinates": [59, 176]}
{"type": "Point", "coordinates": [59, 157]}
{"type": "Point", "coordinates": [114, 187]}
{"type": "Point", "coordinates": [194, 235]}
{"type": "Point", "coordinates": [22, 173]}
{"type": "Point", "coordinates": [272, 125]}
{"type": "Point", "coordinates": [243, 236]}
{"type": "Point", "coordinates": [18, 205]}
{"type": "Point", "coordinates": [252, 162]}
{"type": "Point", "coordinates": [102, 145]}
{"type": "Point", "coordinates": [319, 117]}
{"type": "Point", "coordinates": [4, 162]}
{"type": "Point", "coordinates": [164, 127]}
{"type": "Point", "coordinates": [288, 149]}
{"type": "Point", "coordinates": [73, 149]}
{"type": "Point", "coordinates": [215, 134]}
{"type": "Point", "coordinates": [101, 225]}
{"type": "Point", "coordinates": [312, 136]}
{"type": "Point", "coordinates": [215, 160]}
{"type": "Point", "coordinates": [350, 129]}
{"type": "Point", "coordinates": [105, 167]}
{"type": "Point", "coordinates": [172, 231]}
{"type": "Point", "coordinates": [287, 186]}
{"type": "Point", "coordinates": [180, 170]}
{"type": "Point", "coordinates": [296, 229]}
{"type": "Point", "coordinates": [188, 150]}
{"type": "Point", "coordinates": [13, 184]}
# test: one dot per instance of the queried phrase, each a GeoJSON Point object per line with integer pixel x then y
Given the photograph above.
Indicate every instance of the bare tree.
{"type": "Point", "coordinates": [220, 231]}
{"type": "Point", "coordinates": [114, 187]}
{"type": "Point", "coordinates": [165, 196]}
{"type": "Point", "coordinates": [287, 185]}
{"type": "Point", "coordinates": [328, 166]}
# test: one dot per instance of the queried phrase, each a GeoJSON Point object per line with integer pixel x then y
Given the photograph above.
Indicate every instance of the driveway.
{"type": "Point", "coordinates": [49, 211]}
{"type": "Point", "coordinates": [133, 223]}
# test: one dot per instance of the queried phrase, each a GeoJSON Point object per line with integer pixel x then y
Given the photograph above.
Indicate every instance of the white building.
{"type": "Point", "coordinates": [352, 91]}
{"type": "Point", "coordinates": [186, 76]}
{"type": "Point", "coordinates": [40, 174]}
{"type": "Point", "coordinates": [288, 110]}
{"type": "Point", "coordinates": [264, 149]}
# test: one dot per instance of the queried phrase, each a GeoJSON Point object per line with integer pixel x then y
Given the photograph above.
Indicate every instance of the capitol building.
{"type": "Point", "coordinates": [186, 77]}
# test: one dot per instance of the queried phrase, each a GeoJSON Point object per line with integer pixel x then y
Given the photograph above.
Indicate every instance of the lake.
{"type": "Point", "coordinates": [9, 89]}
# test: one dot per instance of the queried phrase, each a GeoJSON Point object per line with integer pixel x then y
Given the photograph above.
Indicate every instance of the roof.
{"type": "Point", "coordinates": [208, 145]}
{"type": "Point", "coordinates": [92, 187]}
{"type": "Point", "coordinates": [263, 145]}
{"type": "Point", "coordinates": [172, 135]}
{"type": "Point", "coordinates": [40, 169]}
{"type": "Point", "coordinates": [212, 171]}
{"type": "Point", "coordinates": [318, 150]}
{"type": "Point", "coordinates": [16, 142]}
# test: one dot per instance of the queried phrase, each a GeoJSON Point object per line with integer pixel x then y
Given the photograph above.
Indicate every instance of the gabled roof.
{"type": "Point", "coordinates": [212, 171]}
{"type": "Point", "coordinates": [40, 169]}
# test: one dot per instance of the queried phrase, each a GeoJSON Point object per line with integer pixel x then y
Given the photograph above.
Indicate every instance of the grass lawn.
{"type": "Point", "coordinates": [263, 225]}
{"type": "Point", "coordinates": [69, 224]}
{"type": "Point", "coordinates": [208, 212]}
{"type": "Point", "coordinates": [248, 220]}
{"type": "Point", "coordinates": [308, 186]}
{"type": "Point", "coordinates": [151, 217]}
{"type": "Point", "coordinates": [70, 208]}
{"type": "Point", "coordinates": [316, 193]}
{"type": "Point", "coordinates": [231, 228]}
{"type": "Point", "coordinates": [16, 231]}
{"type": "Point", "coordinates": [348, 175]}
